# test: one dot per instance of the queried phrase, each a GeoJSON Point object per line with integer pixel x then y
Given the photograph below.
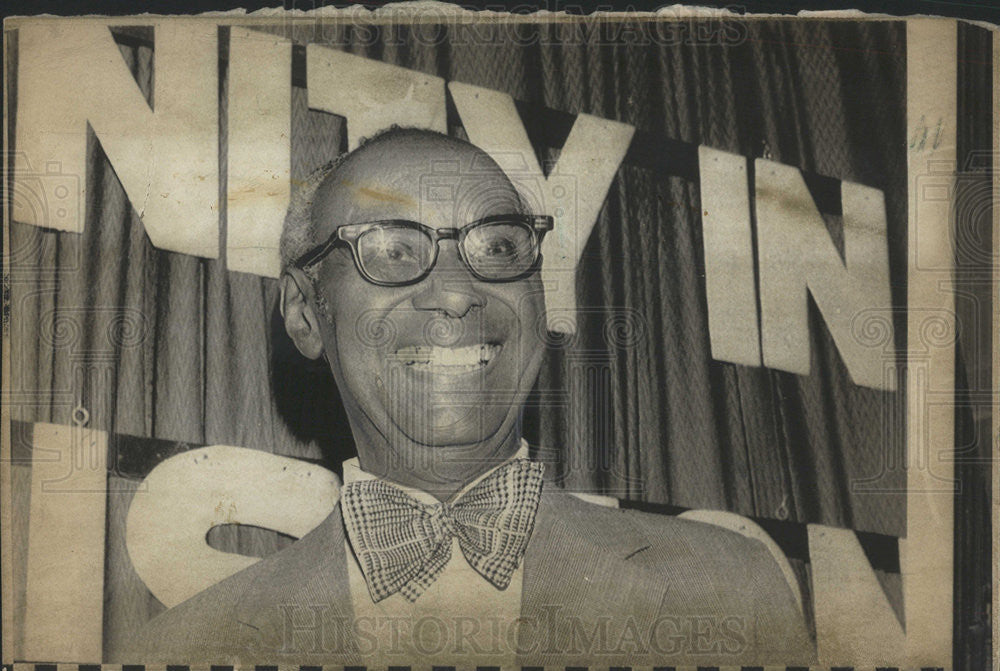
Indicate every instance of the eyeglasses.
{"type": "Point", "coordinates": [397, 252]}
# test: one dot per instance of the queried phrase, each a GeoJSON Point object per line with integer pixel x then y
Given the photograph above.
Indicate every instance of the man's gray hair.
{"type": "Point", "coordinates": [298, 231]}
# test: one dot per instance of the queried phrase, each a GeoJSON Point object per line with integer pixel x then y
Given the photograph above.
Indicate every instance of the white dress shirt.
{"type": "Point", "coordinates": [462, 619]}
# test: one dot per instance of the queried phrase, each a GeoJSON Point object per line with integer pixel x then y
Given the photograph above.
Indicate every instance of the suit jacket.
{"type": "Point", "coordinates": [601, 585]}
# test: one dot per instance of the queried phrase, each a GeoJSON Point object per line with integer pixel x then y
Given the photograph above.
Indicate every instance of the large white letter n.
{"type": "Point", "coordinates": [797, 256]}
{"type": "Point", "coordinates": [70, 74]}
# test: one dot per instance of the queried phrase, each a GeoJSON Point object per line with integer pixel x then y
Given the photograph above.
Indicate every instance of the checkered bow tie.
{"type": "Point", "coordinates": [403, 545]}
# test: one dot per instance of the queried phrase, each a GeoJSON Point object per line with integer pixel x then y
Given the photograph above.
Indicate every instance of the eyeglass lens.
{"type": "Point", "coordinates": [398, 254]}
{"type": "Point", "coordinates": [395, 253]}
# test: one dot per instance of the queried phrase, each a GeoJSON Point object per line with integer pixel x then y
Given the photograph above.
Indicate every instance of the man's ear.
{"type": "Point", "coordinates": [301, 321]}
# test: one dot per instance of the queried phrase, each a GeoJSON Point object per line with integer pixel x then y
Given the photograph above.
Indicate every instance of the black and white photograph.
{"type": "Point", "coordinates": [435, 338]}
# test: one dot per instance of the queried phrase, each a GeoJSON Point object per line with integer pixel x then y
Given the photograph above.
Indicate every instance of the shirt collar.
{"type": "Point", "coordinates": [353, 473]}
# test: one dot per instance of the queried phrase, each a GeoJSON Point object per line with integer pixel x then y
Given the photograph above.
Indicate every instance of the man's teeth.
{"type": "Point", "coordinates": [471, 357]}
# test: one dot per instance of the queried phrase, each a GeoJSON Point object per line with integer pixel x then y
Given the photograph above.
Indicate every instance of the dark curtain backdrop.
{"type": "Point", "coordinates": [162, 345]}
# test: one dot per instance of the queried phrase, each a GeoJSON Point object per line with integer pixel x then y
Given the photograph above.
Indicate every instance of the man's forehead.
{"type": "Point", "coordinates": [395, 176]}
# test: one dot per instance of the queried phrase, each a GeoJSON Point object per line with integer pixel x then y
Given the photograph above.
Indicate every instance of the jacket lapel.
{"type": "Point", "coordinates": [582, 593]}
{"type": "Point", "coordinates": [305, 612]}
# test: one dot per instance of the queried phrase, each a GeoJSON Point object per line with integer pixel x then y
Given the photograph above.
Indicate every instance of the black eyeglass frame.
{"type": "Point", "coordinates": [537, 224]}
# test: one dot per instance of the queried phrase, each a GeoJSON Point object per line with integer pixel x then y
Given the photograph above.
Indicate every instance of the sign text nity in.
{"type": "Point", "coordinates": [71, 77]}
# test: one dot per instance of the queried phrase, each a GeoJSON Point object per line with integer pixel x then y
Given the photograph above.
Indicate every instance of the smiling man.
{"type": "Point", "coordinates": [411, 267]}
{"type": "Point", "coordinates": [424, 297]}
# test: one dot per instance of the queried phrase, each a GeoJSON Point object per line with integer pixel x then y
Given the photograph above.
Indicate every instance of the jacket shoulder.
{"type": "Point", "coordinates": [201, 629]}
{"type": "Point", "coordinates": [662, 533]}
{"type": "Point", "coordinates": [210, 628]}
{"type": "Point", "coordinates": [709, 571]}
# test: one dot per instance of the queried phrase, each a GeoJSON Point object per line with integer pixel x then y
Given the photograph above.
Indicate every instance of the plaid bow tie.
{"type": "Point", "coordinates": [403, 545]}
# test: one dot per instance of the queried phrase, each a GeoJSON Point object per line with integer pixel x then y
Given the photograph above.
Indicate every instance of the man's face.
{"type": "Point", "coordinates": [447, 361]}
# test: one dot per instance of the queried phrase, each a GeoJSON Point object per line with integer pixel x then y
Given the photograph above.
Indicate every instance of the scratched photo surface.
{"type": "Point", "coordinates": [435, 339]}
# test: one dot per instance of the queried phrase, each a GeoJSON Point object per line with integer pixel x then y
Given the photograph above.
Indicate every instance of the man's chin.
{"type": "Point", "coordinates": [452, 432]}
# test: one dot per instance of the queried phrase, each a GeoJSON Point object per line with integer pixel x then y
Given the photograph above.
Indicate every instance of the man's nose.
{"type": "Point", "coordinates": [449, 288]}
